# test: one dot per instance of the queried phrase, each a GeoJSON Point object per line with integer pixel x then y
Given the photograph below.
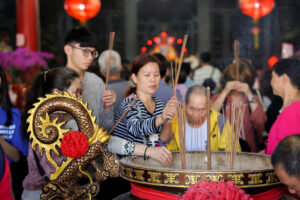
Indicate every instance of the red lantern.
{"type": "Point", "coordinates": [256, 9]}
{"type": "Point", "coordinates": [82, 9]}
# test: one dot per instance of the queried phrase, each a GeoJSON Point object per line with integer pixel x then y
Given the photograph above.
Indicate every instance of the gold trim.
{"type": "Point", "coordinates": [186, 186]}
{"type": "Point", "coordinates": [195, 172]}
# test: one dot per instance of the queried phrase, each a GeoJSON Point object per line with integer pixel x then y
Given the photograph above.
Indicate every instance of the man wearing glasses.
{"type": "Point", "coordinates": [80, 49]}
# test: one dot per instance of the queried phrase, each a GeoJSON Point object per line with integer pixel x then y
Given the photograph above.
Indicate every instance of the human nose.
{"type": "Point", "coordinates": [196, 114]}
{"type": "Point", "coordinates": [152, 78]}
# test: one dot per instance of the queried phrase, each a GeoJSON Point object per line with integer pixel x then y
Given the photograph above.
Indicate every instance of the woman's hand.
{"type": "Point", "coordinates": [231, 85]}
{"type": "Point", "coordinates": [170, 110]}
{"type": "Point", "coordinates": [244, 88]}
{"type": "Point", "coordinates": [161, 154]}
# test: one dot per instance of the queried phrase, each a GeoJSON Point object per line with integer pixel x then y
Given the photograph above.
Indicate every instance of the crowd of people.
{"type": "Point", "coordinates": [150, 126]}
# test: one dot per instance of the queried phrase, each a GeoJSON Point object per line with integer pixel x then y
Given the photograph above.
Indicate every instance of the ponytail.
{"type": "Point", "coordinates": [37, 90]}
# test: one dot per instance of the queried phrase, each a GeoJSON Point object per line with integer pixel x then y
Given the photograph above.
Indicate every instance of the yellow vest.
{"type": "Point", "coordinates": [220, 143]}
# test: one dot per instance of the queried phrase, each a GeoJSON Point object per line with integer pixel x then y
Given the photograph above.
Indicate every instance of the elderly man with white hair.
{"type": "Point", "coordinates": [115, 83]}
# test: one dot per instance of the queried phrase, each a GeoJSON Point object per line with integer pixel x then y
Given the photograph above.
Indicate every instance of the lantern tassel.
{"type": "Point", "coordinates": [256, 40]}
{"type": "Point", "coordinates": [256, 30]}
{"type": "Point", "coordinates": [82, 23]}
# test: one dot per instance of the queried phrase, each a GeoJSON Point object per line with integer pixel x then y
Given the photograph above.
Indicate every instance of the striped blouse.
{"type": "Point", "coordinates": [138, 125]}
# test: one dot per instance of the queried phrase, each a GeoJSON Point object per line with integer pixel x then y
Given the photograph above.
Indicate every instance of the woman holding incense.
{"type": "Point", "coordinates": [146, 122]}
{"type": "Point", "coordinates": [238, 90]}
{"type": "Point", "coordinates": [286, 84]}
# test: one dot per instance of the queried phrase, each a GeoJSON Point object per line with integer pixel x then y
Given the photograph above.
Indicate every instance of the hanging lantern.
{"type": "Point", "coordinates": [82, 9]}
{"type": "Point", "coordinates": [256, 9]}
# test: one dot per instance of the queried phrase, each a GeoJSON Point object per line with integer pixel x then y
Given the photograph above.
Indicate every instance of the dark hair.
{"type": "Point", "coordinates": [184, 72]}
{"type": "Point", "coordinates": [265, 83]}
{"type": "Point", "coordinates": [205, 57]}
{"type": "Point", "coordinates": [290, 67]}
{"type": "Point", "coordinates": [195, 89]}
{"type": "Point", "coordinates": [136, 65]}
{"type": "Point", "coordinates": [186, 66]}
{"type": "Point", "coordinates": [246, 72]}
{"type": "Point", "coordinates": [44, 83]}
{"type": "Point", "coordinates": [287, 155]}
{"type": "Point", "coordinates": [82, 36]}
{"type": "Point", "coordinates": [164, 64]}
{"type": "Point", "coordinates": [5, 102]}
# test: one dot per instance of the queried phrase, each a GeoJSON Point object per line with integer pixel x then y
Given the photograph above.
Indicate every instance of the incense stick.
{"type": "Point", "coordinates": [184, 137]}
{"type": "Point", "coordinates": [237, 116]}
{"type": "Point", "coordinates": [241, 112]}
{"type": "Point", "coordinates": [111, 43]}
{"type": "Point", "coordinates": [180, 61]}
{"type": "Point", "coordinates": [236, 58]}
{"type": "Point", "coordinates": [172, 75]}
{"type": "Point", "coordinates": [232, 135]}
{"type": "Point", "coordinates": [229, 132]}
{"type": "Point", "coordinates": [181, 131]}
{"type": "Point", "coordinates": [208, 129]}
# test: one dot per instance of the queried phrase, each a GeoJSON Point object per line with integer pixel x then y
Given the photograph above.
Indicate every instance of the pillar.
{"type": "Point", "coordinates": [27, 24]}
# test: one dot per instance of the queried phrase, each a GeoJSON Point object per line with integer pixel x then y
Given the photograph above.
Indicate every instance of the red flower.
{"type": "Point", "coordinates": [74, 144]}
{"type": "Point", "coordinates": [215, 191]}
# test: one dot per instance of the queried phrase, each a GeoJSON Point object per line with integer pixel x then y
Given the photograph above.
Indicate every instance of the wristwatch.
{"type": "Point", "coordinates": [252, 100]}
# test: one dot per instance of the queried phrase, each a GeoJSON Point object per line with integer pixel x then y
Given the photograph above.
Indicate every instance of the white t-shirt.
{"type": "Point", "coordinates": [196, 138]}
{"type": "Point", "coordinates": [205, 72]}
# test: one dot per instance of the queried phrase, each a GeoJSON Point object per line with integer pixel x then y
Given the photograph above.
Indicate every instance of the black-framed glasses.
{"type": "Point", "coordinates": [87, 52]}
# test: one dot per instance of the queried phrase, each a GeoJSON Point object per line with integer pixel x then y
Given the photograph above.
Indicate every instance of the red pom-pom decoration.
{"type": "Point", "coordinates": [74, 144]}
{"type": "Point", "coordinates": [215, 191]}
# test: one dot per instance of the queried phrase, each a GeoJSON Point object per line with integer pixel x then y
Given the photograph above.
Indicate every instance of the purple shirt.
{"type": "Point", "coordinates": [34, 181]}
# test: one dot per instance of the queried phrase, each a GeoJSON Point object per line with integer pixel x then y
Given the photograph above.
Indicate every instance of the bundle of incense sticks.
{"type": "Point", "coordinates": [208, 129]}
{"type": "Point", "coordinates": [180, 115]}
{"type": "Point", "coordinates": [236, 114]}
{"type": "Point", "coordinates": [173, 72]}
{"type": "Point", "coordinates": [181, 130]}
{"type": "Point", "coordinates": [177, 69]}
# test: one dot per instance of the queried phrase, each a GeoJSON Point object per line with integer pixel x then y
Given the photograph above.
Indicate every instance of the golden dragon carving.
{"type": "Point", "coordinates": [46, 135]}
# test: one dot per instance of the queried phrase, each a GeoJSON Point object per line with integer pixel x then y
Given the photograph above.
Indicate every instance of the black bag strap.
{"type": "Point", "coordinates": [40, 168]}
{"type": "Point", "coordinates": [212, 72]}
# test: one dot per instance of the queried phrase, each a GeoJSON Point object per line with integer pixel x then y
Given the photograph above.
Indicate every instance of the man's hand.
{"type": "Point", "coordinates": [108, 98]}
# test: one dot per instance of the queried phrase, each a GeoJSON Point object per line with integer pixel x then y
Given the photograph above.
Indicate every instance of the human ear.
{"type": "Point", "coordinates": [285, 78]}
{"type": "Point", "coordinates": [134, 78]}
{"type": "Point", "coordinates": [67, 50]}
